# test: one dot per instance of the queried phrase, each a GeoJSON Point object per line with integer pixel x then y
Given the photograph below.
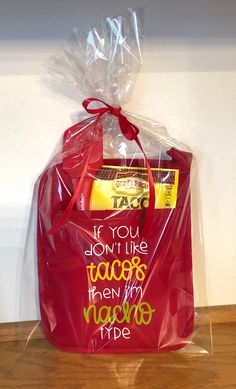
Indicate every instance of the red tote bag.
{"type": "Point", "coordinates": [105, 287]}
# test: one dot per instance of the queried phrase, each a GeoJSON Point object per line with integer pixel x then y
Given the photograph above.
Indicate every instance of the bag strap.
{"type": "Point", "coordinates": [130, 132]}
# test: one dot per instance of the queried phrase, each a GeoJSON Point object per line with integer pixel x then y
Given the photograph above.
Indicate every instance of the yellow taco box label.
{"type": "Point", "coordinates": [117, 187]}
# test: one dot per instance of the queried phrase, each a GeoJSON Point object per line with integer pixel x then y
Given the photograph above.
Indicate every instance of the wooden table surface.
{"type": "Point", "coordinates": [42, 366]}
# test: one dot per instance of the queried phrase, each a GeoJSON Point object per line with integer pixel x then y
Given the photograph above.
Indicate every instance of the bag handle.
{"type": "Point", "coordinates": [130, 132]}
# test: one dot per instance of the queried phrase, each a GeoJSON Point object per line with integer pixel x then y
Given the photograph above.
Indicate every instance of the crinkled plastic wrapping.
{"type": "Point", "coordinates": [104, 286]}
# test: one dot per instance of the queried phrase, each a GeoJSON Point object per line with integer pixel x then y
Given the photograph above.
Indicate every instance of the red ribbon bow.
{"type": "Point", "coordinates": [130, 132]}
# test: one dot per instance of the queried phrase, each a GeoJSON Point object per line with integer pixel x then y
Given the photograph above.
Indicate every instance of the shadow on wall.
{"type": "Point", "coordinates": [180, 35]}
{"type": "Point", "coordinates": [177, 20]}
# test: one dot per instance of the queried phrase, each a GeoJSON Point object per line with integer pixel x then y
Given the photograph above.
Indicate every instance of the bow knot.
{"type": "Point", "coordinates": [116, 111]}
{"type": "Point", "coordinates": [128, 129]}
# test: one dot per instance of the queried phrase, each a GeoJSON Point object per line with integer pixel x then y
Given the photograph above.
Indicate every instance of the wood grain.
{"type": "Point", "coordinates": [204, 315]}
{"type": "Point", "coordinates": [20, 331]}
{"type": "Point", "coordinates": [218, 314]}
{"type": "Point", "coordinates": [40, 366]}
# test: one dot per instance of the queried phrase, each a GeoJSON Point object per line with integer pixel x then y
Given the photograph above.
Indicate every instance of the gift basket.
{"type": "Point", "coordinates": [114, 220]}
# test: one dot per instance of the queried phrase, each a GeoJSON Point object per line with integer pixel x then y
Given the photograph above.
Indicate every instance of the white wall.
{"type": "Point", "coordinates": [188, 82]}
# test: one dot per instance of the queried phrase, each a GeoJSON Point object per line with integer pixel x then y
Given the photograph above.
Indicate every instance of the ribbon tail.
{"type": "Point", "coordinates": [148, 217]}
{"type": "Point", "coordinates": [70, 206]}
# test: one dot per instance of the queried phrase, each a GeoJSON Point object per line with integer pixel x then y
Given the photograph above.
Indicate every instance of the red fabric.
{"type": "Point", "coordinates": [62, 259]}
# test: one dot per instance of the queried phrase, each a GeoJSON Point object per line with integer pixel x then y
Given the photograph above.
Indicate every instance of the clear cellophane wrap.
{"type": "Point", "coordinates": [115, 225]}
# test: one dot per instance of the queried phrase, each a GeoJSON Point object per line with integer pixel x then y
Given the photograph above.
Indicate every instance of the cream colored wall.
{"type": "Point", "coordinates": [187, 82]}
